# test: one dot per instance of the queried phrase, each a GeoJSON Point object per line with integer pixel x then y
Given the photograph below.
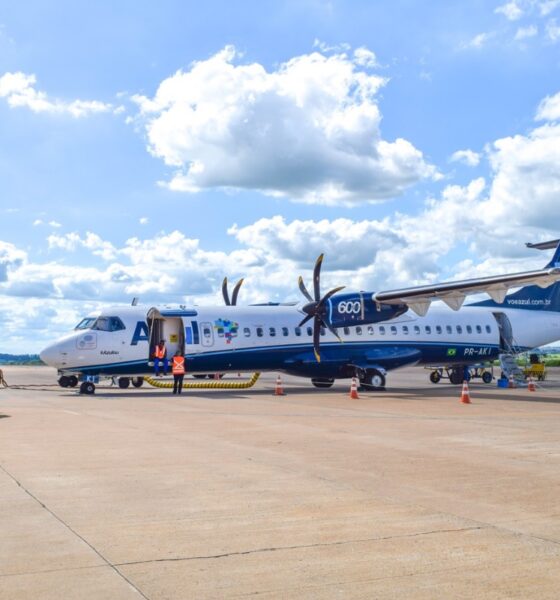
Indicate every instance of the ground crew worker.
{"type": "Point", "coordinates": [160, 356]}
{"type": "Point", "coordinates": [178, 369]}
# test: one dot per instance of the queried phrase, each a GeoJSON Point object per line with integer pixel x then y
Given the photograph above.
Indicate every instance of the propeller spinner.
{"type": "Point", "coordinates": [316, 308]}
{"type": "Point", "coordinates": [235, 293]}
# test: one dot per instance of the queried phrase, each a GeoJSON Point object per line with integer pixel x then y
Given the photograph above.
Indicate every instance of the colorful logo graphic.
{"type": "Point", "coordinates": [451, 351]}
{"type": "Point", "coordinates": [226, 328]}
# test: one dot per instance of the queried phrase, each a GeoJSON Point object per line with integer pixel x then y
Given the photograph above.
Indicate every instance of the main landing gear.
{"type": "Point", "coordinates": [87, 387]}
{"type": "Point", "coordinates": [67, 381]}
{"type": "Point", "coordinates": [372, 380]}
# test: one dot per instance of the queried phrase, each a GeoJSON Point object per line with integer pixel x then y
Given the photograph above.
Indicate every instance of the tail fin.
{"type": "Point", "coordinates": [534, 297]}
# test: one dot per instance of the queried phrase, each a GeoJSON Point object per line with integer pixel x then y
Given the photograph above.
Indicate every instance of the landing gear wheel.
{"type": "Point", "coordinates": [137, 381]}
{"type": "Point", "coordinates": [373, 381]}
{"type": "Point", "coordinates": [124, 382]}
{"type": "Point", "coordinates": [199, 375]}
{"type": "Point", "coordinates": [72, 381]}
{"type": "Point", "coordinates": [322, 383]}
{"type": "Point", "coordinates": [487, 377]}
{"type": "Point", "coordinates": [64, 381]}
{"type": "Point", "coordinates": [87, 388]}
{"type": "Point", "coordinates": [435, 376]}
{"type": "Point", "coordinates": [456, 376]}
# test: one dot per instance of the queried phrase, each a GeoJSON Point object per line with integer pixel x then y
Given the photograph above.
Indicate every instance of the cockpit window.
{"type": "Point", "coordinates": [108, 324]}
{"type": "Point", "coordinates": [85, 323]}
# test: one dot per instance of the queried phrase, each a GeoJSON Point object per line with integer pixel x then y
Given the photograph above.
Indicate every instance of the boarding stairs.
{"type": "Point", "coordinates": [508, 362]}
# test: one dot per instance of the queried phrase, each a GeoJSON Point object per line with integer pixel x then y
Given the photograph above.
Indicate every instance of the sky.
{"type": "Point", "coordinates": [150, 149]}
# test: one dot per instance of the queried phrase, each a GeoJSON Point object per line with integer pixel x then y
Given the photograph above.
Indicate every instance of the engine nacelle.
{"type": "Point", "coordinates": [346, 310]}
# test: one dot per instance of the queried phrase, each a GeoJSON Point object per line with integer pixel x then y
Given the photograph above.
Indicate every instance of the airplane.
{"type": "Point", "coordinates": [328, 337]}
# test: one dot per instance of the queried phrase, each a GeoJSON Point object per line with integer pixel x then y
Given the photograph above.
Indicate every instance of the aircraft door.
{"type": "Point", "coordinates": [207, 334]}
{"type": "Point", "coordinates": [506, 331]}
{"type": "Point", "coordinates": [173, 334]}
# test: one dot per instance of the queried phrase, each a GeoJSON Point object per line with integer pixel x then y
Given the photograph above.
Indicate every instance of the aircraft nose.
{"type": "Point", "coordinates": [50, 355]}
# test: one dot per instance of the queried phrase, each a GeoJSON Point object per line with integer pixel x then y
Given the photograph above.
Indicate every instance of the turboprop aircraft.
{"type": "Point", "coordinates": [327, 337]}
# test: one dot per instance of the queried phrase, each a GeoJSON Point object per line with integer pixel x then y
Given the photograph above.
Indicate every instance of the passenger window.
{"type": "Point", "coordinates": [310, 331]}
{"type": "Point", "coordinates": [449, 329]}
{"type": "Point", "coordinates": [439, 329]}
{"type": "Point", "coordinates": [382, 330]}
{"type": "Point", "coordinates": [459, 329]}
{"type": "Point", "coordinates": [488, 329]}
{"type": "Point", "coordinates": [358, 331]}
{"type": "Point", "coordinates": [260, 332]}
{"type": "Point", "coordinates": [405, 329]}
{"type": "Point", "coordinates": [417, 330]}
{"type": "Point", "coordinates": [246, 332]}
{"type": "Point", "coordinates": [478, 329]}
{"type": "Point", "coordinates": [370, 330]}
{"type": "Point", "coordinates": [285, 331]}
{"type": "Point", "coordinates": [428, 329]}
{"type": "Point", "coordinates": [272, 331]}
{"type": "Point", "coordinates": [347, 331]}
{"type": "Point", "coordinates": [393, 330]}
{"type": "Point", "coordinates": [469, 329]}
{"type": "Point", "coordinates": [298, 331]}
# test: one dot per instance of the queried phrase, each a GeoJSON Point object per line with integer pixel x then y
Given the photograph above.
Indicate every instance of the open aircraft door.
{"type": "Point", "coordinates": [506, 331]}
{"type": "Point", "coordinates": [169, 329]}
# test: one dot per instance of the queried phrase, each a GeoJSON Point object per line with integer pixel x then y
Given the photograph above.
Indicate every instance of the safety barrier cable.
{"type": "Point", "coordinates": [207, 385]}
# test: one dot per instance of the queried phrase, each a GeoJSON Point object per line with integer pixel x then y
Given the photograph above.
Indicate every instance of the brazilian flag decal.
{"type": "Point", "coordinates": [451, 351]}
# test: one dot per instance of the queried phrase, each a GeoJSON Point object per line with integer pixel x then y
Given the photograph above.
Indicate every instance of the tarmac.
{"type": "Point", "coordinates": [232, 494]}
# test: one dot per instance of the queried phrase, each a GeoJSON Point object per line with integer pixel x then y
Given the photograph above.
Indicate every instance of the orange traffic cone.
{"type": "Point", "coordinates": [465, 396]}
{"type": "Point", "coordinates": [531, 385]}
{"type": "Point", "coordinates": [511, 383]}
{"type": "Point", "coordinates": [354, 389]}
{"type": "Point", "coordinates": [279, 390]}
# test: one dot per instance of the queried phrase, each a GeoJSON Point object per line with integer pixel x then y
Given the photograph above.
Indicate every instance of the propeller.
{"type": "Point", "coordinates": [316, 308]}
{"type": "Point", "coordinates": [235, 293]}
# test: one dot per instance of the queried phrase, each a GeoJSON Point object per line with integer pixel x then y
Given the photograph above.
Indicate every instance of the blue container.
{"type": "Point", "coordinates": [502, 383]}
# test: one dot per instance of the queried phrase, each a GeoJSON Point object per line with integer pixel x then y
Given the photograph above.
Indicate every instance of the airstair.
{"type": "Point", "coordinates": [509, 349]}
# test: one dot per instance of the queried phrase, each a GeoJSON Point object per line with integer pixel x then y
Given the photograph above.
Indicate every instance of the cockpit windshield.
{"type": "Point", "coordinates": [85, 323]}
{"type": "Point", "coordinates": [108, 324]}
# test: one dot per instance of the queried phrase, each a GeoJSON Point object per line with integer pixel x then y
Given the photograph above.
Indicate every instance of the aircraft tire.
{"type": "Point", "coordinates": [199, 375]}
{"type": "Point", "coordinates": [322, 383]}
{"type": "Point", "coordinates": [64, 381]}
{"type": "Point", "coordinates": [374, 381]}
{"type": "Point", "coordinates": [72, 381]}
{"type": "Point", "coordinates": [456, 376]}
{"type": "Point", "coordinates": [124, 382]}
{"type": "Point", "coordinates": [435, 376]}
{"type": "Point", "coordinates": [137, 381]}
{"type": "Point", "coordinates": [87, 388]}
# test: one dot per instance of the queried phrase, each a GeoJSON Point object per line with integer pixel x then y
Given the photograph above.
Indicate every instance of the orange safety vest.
{"type": "Point", "coordinates": [159, 352]}
{"type": "Point", "coordinates": [178, 367]}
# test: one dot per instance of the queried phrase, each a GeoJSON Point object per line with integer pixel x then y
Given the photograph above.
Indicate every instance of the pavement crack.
{"type": "Point", "coordinates": [74, 532]}
{"type": "Point", "coordinates": [298, 546]}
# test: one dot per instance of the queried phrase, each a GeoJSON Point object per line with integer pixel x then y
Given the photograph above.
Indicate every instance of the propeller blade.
{"type": "Point", "coordinates": [236, 292]}
{"type": "Point", "coordinates": [304, 320]}
{"type": "Point", "coordinates": [225, 292]}
{"type": "Point", "coordinates": [303, 289]}
{"type": "Point", "coordinates": [316, 338]}
{"type": "Point", "coordinates": [317, 278]}
{"type": "Point", "coordinates": [332, 330]}
{"type": "Point", "coordinates": [329, 294]}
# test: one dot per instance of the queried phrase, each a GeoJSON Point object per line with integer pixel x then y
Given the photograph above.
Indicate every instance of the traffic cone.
{"type": "Point", "coordinates": [531, 385]}
{"type": "Point", "coordinates": [465, 396]}
{"type": "Point", "coordinates": [279, 390]}
{"type": "Point", "coordinates": [354, 389]}
{"type": "Point", "coordinates": [511, 382]}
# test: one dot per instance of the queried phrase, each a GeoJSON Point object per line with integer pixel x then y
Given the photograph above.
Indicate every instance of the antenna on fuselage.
{"type": "Point", "coordinates": [134, 301]}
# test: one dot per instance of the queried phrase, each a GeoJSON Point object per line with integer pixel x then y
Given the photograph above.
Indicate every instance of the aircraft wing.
{"type": "Point", "coordinates": [453, 293]}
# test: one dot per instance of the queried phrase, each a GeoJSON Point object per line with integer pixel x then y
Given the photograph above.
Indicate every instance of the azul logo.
{"type": "Point", "coordinates": [140, 334]}
{"type": "Point", "coordinates": [226, 328]}
{"type": "Point", "coordinates": [349, 308]}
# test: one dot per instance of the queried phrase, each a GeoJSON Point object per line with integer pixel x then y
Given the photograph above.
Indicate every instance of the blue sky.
{"type": "Point", "coordinates": [150, 149]}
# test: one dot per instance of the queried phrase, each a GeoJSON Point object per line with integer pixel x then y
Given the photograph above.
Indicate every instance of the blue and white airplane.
{"type": "Point", "coordinates": [379, 331]}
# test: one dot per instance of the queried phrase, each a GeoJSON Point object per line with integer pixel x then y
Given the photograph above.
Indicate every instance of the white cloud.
{"type": "Point", "coordinates": [547, 6]}
{"type": "Point", "coordinates": [55, 224]}
{"type": "Point", "coordinates": [510, 10]}
{"type": "Point", "coordinates": [71, 241]}
{"type": "Point", "coordinates": [143, 220]}
{"type": "Point", "coordinates": [37, 222]}
{"type": "Point", "coordinates": [524, 33]}
{"type": "Point", "coordinates": [549, 108]}
{"type": "Point", "coordinates": [467, 157]}
{"type": "Point", "coordinates": [552, 30]}
{"type": "Point", "coordinates": [478, 41]}
{"type": "Point", "coordinates": [10, 258]}
{"type": "Point", "coordinates": [19, 91]}
{"type": "Point", "coordinates": [309, 130]}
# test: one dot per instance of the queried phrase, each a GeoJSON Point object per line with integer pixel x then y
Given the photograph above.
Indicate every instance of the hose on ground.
{"type": "Point", "coordinates": [207, 385]}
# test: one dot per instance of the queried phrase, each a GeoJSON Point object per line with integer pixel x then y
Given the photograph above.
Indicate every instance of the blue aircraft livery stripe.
{"type": "Point", "coordinates": [196, 337]}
